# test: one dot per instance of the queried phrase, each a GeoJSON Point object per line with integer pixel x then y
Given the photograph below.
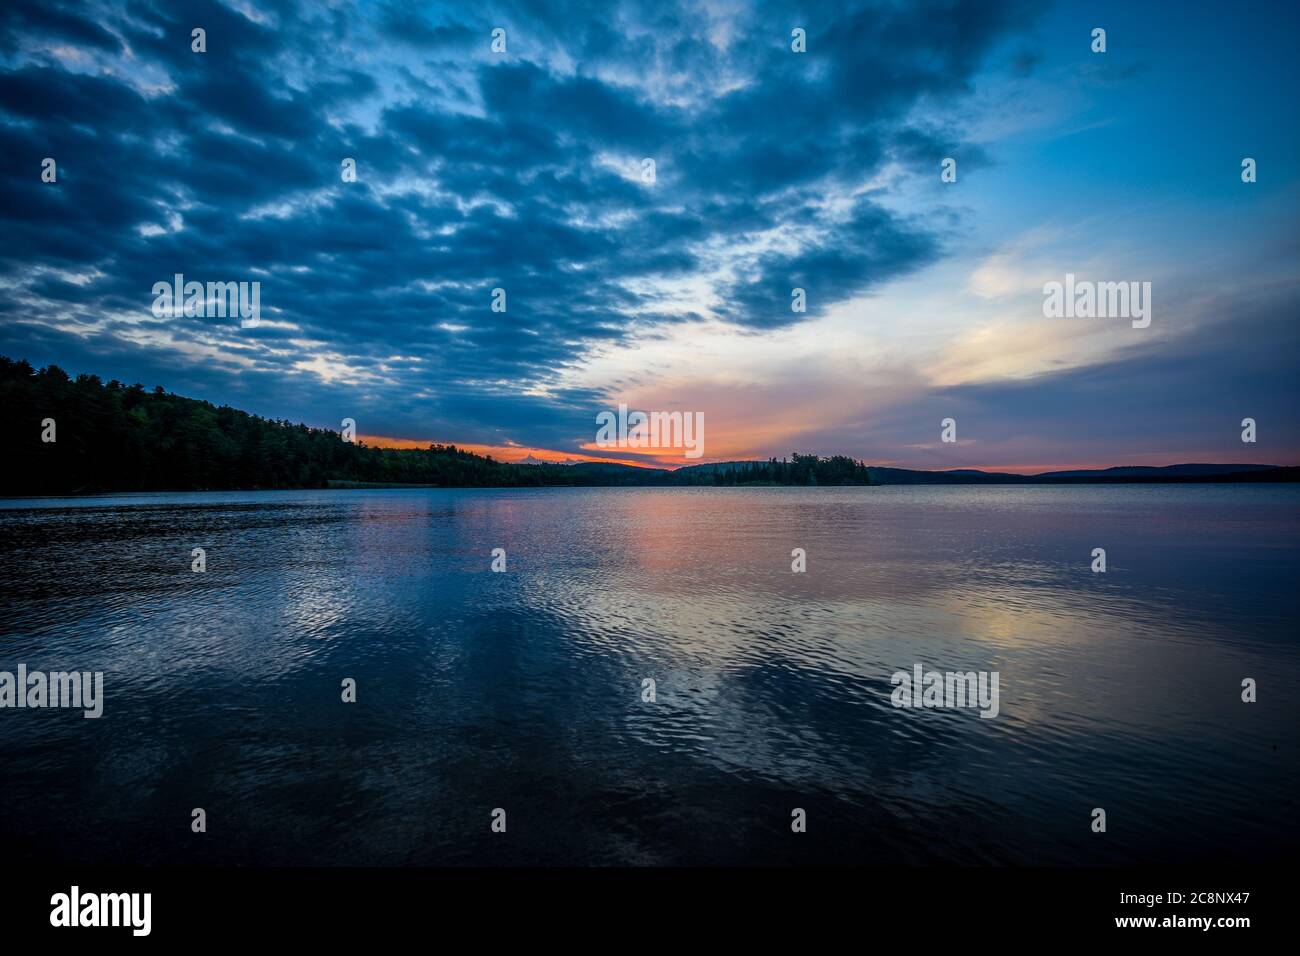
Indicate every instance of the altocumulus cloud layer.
{"type": "Point", "coordinates": [475, 171]}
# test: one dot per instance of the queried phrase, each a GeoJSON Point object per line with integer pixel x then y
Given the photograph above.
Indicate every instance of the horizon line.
{"type": "Point", "coordinates": [519, 454]}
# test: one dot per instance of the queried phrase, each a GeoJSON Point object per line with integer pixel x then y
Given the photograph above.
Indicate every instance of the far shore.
{"type": "Point", "coordinates": [345, 485]}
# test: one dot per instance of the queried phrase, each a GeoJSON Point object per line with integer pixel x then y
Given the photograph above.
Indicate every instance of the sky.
{"type": "Point", "coordinates": [524, 169]}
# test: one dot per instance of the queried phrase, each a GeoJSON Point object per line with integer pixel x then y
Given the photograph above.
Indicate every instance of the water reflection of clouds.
{"type": "Point", "coordinates": [709, 596]}
{"type": "Point", "coordinates": [764, 676]}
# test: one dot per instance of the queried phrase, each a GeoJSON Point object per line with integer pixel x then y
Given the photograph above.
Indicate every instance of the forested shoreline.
{"type": "Point", "coordinates": [113, 437]}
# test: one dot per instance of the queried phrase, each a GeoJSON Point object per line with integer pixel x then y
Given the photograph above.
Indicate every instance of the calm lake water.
{"type": "Point", "coordinates": [522, 690]}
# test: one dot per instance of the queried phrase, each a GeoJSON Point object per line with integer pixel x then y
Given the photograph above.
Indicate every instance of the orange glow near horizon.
{"type": "Point", "coordinates": [671, 458]}
{"type": "Point", "coordinates": [510, 453]}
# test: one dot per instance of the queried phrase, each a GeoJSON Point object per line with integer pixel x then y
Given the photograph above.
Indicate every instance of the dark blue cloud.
{"type": "Point", "coordinates": [475, 172]}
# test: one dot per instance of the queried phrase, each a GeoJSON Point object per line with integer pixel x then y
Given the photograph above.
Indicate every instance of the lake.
{"type": "Point", "coordinates": [525, 690]}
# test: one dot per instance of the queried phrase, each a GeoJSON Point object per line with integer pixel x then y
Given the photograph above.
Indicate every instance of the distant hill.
{"type": "Point", "coordinates": [1149, 471]}
{"type": "Point", "coordinates": [1131, 474]}
{"type": "Point", "coordinates": [615, 468]}
{"type": "Point", "coordinates": [715, 466]}
{"type": "Point", "coordinates": [700, 474]}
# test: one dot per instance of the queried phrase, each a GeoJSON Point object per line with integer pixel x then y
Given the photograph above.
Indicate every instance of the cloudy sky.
{"type": "Point", "coordinates": [522, 170]}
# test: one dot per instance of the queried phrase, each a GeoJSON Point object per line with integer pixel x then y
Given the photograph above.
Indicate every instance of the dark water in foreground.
{"type": "Point", "coordinates": [522, 690]}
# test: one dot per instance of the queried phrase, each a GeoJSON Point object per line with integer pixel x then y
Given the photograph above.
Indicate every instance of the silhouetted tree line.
{"type": "Point", "coordinates": [799, 470]}
{"type": "Point", "coordinates": [116, 437]}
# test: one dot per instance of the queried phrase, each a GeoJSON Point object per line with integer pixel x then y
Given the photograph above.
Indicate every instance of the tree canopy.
{"type": "Point", "coordinates": [115, 437]}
